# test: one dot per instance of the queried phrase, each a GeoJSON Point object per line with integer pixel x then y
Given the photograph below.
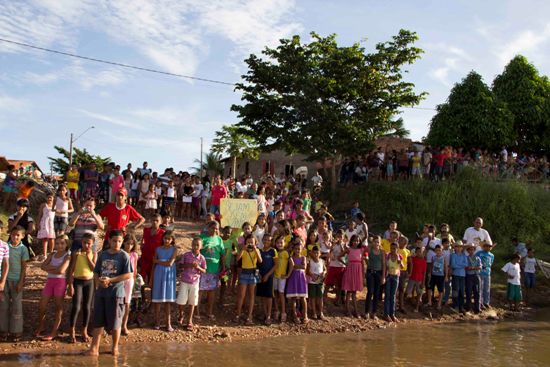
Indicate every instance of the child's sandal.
{"type": "Point", "coordinates": [283, 317]}
{"type": "Point", "coordinates": [249, 322]}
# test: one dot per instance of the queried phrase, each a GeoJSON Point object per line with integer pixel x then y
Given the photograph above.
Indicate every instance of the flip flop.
{"type": "Point", "coordinates": [189, 327]}
{"type": "Point", "coordinates": [48, 338]}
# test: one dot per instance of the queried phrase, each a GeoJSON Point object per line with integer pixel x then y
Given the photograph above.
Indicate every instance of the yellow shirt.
{"type": "Point", "coordinates": [393, 266]}
{"type": "Point", "coordinates": [249, 258]}
{"type": "Point", "coordinates": [72, 180]}
{"type": "Point", "coordinates": [415, 161]}
{"type": "Point", "coordinates": [282, 265]}
{"type": "Point", "coordinates": [385, 244]}
{"type": "Point", "coordinates": [82, 269]}
{"type": "Point", "coordinates": [405, 253]}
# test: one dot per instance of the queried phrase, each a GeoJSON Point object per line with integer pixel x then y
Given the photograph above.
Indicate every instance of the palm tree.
{"type": "Point", "coordinates": [231, 141]}
{"type": "Point", "coordinates": [211, 164]}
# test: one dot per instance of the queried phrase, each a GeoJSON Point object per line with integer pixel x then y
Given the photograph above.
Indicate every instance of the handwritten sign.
{"type": "Point", "coordinates": [234, 212]}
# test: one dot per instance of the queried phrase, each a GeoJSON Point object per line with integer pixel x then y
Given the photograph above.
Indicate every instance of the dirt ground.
{"type": "Point", "coordinates": [223, 329]}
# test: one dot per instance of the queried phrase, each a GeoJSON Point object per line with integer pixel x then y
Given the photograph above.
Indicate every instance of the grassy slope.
{"type": "Point", "coordinates": [509, 208]}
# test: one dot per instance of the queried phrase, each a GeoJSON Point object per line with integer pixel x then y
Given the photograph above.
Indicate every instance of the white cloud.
{"type": "Point", "coordinates": [11, 103]}
{"type": "Point", "coordinates": [111, 120]}
{"type": "Point", "coordinates": [525, 41]}
{"type": "Point", "coordinates": [169, 33]}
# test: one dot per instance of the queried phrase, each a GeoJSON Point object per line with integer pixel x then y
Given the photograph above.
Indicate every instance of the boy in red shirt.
{"type": "Point", "coordinates": [219, 191]}
{"type": "Point", "coordinates": [417, 275]}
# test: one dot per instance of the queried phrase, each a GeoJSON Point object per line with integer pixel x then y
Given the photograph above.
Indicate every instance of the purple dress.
{"type": "Point", "coordinates": [296, 285]}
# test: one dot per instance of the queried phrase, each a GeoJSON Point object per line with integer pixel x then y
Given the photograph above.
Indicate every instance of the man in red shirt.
{"type": "Point", "coordinates": [119, 214]}
{"type": "Point", "coordinates": [219, 191]}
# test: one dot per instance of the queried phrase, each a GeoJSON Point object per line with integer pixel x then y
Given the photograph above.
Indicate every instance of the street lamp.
{"type": "Point", "coordinates": [73, 140]}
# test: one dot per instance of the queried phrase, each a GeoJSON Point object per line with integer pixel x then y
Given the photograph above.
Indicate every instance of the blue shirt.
{"type": "Point", "coordinates": [459, 262]}
{"type": "Point", "coordinates": [112, 265]}
{"type": "Point", "coordinates": [17, 254]}
{"type": "Point", "coordinates": [487, 259]}
{"type": "Point", "coordinates": [473, 261]}
{"type": "Point", "coordinates": [438, 265]}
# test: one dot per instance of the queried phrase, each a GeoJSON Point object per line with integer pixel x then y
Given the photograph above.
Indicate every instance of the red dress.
{"type": "Point", "coordinates": [353, 280]}
{"type": "Point", "coordinates": [148, 249]}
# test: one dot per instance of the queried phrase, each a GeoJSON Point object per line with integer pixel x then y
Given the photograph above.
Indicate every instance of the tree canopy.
{"type": "Point", "coordinates": [80, 157]}
{"type": "Point", "coordinates": [232, 141]}
{"type": "Point", "coordinates": [325, 100]}
{"type": "Point", "coordinates": [472, 117]}
{"type": "Point", "coordinates": [527, 95]}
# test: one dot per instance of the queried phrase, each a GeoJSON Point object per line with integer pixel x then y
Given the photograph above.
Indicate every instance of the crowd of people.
{"type": "Point", "coordinates": [441, 163]}
{"type": "Point", "coordinates": [290, 261]}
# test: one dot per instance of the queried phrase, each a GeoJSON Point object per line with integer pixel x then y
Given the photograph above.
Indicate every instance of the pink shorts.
{"type": "Point", "coordinates": [55, 287]}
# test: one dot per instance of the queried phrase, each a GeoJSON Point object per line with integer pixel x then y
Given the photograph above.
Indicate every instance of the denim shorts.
{"type": "Point", "coordinates": [248, 278]}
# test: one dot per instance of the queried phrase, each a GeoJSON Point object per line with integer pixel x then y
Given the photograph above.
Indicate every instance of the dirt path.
{"type": "Point", "coordinates": [221, 329]}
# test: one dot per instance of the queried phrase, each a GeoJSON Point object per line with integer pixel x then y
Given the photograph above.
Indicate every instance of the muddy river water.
{"type": "Point", "coordinates": [507, 343]}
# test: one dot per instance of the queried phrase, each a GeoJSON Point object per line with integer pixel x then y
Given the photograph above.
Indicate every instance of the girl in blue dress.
{"type": "Point", "coordinates": [163, 280]}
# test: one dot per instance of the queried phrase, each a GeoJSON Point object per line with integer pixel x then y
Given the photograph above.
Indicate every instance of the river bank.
{"type": "Point", "coordinates": [223, 329]}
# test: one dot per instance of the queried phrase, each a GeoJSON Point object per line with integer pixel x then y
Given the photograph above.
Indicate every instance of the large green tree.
{"type": "Point", "coordinates": [527, 95]}
{"type": "Point", "coordinates": [471, 117]}
{"type": "Point", "coordinates": [324, 100]}
{"type": "Point", "coordinates": [80, 156]}
{"type": "Point", "coordinates": [231, 140]}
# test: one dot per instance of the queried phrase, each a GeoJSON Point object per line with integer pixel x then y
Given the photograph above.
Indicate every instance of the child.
{"type": "Point", "coordinates": [472, 279]}
{"type": "Point", "coordinates": [336, 267]}
{"type": "Point", "coordinates": [111, 270]}
{"type": "Point", "coordinates": [355, 209]}
{"type": "Point", "coordinates": [417, 275]}
{"type": "Point", "coordinates": [130, 246]}
{"type": "Point", "coordinates": [63, 206]}
{"type": "Point", "coordinates": [405, 254]}
{"type": "Point", "coordinates": [487, 259]}
{"type": "Point", "coordinates": [529, 270]}
{"type": "Point", "coordinates": [136, 306]}
{"type": "Point", "coordinates": [279, 281]}
{"type": "Point", "coordinates": [11, 306]}
{"type": "Point", "coordinates": [513, 292]}
{"type": "Point", "coordinates": [230, 261]}
{"type": "Point", "coordinates": [353, 279]}
{"type": "Point", "coordinates": [163, 279]}
{"type": "Point", "coordinates": [150, 201]}
{"type": "Point", "coordinates": [458, 263]}
{"type": "Point", "coordinates": [297, 283]}
{"type": "Point", "coordinates": [167, 223]}
{"type": "Point", "coordinates": [260, 228]}
{"type": "Point", "coordinates": [394, 265]}
{"type": "Point", "coordinates": [170, 198]}
{"type": "Point", "coordinates": [55, 265]}
{"type": "Point", "coordinates": [46, 231]}
{"type": "Point", "coordinates": [248, 278]}
{"type": "Point", "coordinates": [193, 264]}
{"type": "Point", "coordinates": [300, 229]}
{"type": "Point", "coordinates": [375, 277]}
{"type": "Point", "coordinates": [439, 271]}
{"type": "Point", "coordinates": [312, 241]}
{"type": "Point", "coordinates": [316, 271]}
{"type": "Point", "coordinates": [80, 279]}
{"type": "Point", "coordinates": [267, 267]}
{"type": "Point", "coordinates": [4, 262]}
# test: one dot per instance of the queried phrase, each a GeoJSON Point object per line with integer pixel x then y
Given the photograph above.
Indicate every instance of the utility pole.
{"type": "Point", "coordinates": [71, 151]}
{"type": "Point", "coordinates": [71, 144]}
{"type": "Point", "coordinates": [200, 171]}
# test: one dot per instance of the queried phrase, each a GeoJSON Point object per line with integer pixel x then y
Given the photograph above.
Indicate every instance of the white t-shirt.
{"type": "Point", "coordinates": [514, 271]}
{"type": "Point", "coordinates": [473, 236]}
{"type": "Point", "coordinates": [198, 190]}
{"type": "Point", "coordinates": [430, 256]}
{"type": "Point", "coordinates": [316, 269]}
{"type": "Point", "coordinates": [530, 264]}
{"type": "Point", "coordinates": [316, 180]}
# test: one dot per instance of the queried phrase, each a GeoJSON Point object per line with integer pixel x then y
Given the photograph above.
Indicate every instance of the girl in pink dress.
{"type": "Point", "coordinates": [353, 279]}
{"type": "Point", "coordinates": [46, 231]}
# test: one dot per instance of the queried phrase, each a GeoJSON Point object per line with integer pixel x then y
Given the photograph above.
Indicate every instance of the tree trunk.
{"type": "Point", "coordinates": [333, 179]}
{"type": "Point", "coordinates": [234, 166]}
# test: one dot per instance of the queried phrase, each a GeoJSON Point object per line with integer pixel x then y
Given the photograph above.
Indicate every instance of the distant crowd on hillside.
{"type": "Point", "coordinates": [441, 163]}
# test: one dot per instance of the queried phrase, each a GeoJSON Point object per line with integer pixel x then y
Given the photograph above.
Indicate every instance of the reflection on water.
{"type": "Point", "coordinates": [519, 343]}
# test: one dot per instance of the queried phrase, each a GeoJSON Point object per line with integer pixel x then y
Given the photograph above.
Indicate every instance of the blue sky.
{"type": "Point", "coordinates": [140, 116]}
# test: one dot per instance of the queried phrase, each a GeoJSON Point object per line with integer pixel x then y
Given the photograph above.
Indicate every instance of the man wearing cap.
{"type": "Point", "coordinates": [119, 214]}
{"type": "Point", "coordinates": [487, 259]}
{"type": "Point", "coordinates": [477, 235]}
{"type": "Point", "coordinates": [22, 218]}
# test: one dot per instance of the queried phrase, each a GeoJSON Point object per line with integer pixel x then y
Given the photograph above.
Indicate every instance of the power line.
{"type": "Point", "coordinates": [114, 63]}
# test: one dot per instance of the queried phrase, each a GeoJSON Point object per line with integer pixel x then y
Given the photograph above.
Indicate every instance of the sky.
{"type": "Point", "coordinates": [139, 116]}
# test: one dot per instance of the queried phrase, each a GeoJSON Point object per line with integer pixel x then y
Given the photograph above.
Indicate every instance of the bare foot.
{"type": "Point", "coordinates": [91, 352]}
{"type": "Point", "coordinates": [85, 338]}
{"type": "Point", "coordinates": [114, 351]}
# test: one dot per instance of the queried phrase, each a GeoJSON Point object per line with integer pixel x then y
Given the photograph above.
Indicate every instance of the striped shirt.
{"type": "Point", "coordinates": [4, 253]}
